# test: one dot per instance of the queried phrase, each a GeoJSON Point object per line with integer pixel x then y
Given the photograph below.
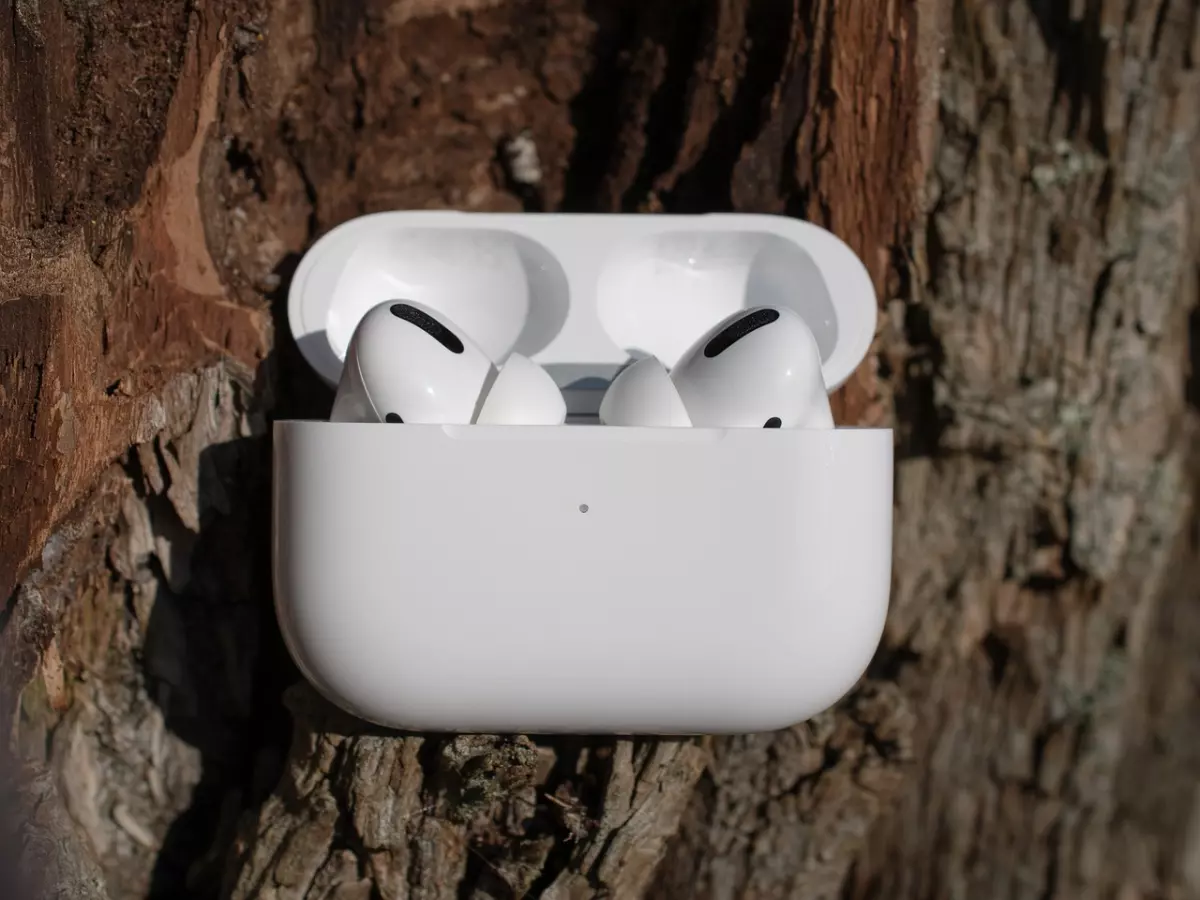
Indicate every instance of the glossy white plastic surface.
{"type": "Point", "coordinates": [578, 578]}
{"type": "Point", "coordinates": [582, 578]}
{"type": "Point", "coordinates": [395, 368]}
{"type": "Point", "coordinates": [580, 294]}
{"type": "Point", "coordinates": [769, 372]}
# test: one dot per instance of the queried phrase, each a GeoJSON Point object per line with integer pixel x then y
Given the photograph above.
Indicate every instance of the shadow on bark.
{"type": "Point", "coordinates": [214, 662]}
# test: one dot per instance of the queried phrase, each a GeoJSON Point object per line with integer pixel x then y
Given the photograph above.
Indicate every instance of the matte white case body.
{"type": "Point", "coordinates": [582, 578]}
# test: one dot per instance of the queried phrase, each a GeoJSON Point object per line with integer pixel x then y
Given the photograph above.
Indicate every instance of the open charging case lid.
{"type": "Point", "coordinates": [581, 579]}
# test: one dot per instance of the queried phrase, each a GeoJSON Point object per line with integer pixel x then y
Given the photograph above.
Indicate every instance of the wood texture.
{"type": "Point", "coordinates": [1021, 179]}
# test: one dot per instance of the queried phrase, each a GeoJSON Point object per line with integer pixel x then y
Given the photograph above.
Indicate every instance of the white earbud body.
{"type": "Point", "coordinates": [406, 363]}
{"type": "Point", "coordinates": [757, 368]}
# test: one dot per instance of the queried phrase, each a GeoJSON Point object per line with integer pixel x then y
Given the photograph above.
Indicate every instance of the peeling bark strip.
{"type": "Point", "coordinates": [95, 319]}
{"type": "Point", "coordinates": [1021, 181]}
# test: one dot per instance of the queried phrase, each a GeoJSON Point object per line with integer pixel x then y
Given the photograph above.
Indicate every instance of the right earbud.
{"type": "Point", "coordinates": [407, 363]}
{"type": "Point", "coordinates": [757, 368]}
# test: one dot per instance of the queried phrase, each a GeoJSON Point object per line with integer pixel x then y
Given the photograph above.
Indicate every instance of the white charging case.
{"type": "Point", "coordinates": [582, 578]}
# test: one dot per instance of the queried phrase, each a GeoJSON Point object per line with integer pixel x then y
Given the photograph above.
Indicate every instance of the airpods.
{"type": "Point", "coordinates": [757, 368]}
{"type": "Point", "coordinates": [406, 363]}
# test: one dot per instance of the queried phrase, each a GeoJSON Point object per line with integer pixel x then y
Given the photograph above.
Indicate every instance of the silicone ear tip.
{"type": "Point", "coordinates": [643, 394]}
{"type": "Point", "coordinates": [523, 394]}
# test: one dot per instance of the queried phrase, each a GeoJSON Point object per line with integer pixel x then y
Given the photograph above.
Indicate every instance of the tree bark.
{"type": "Point", "coordinates": [1020, 179]}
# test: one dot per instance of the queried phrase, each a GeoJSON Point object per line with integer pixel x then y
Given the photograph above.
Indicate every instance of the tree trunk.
{"type": "Point", "coordinates": [1020, 179]}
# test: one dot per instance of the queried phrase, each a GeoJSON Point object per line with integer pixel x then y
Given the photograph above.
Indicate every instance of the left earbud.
{"type": "Point", "coordinates": [407, 363]}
